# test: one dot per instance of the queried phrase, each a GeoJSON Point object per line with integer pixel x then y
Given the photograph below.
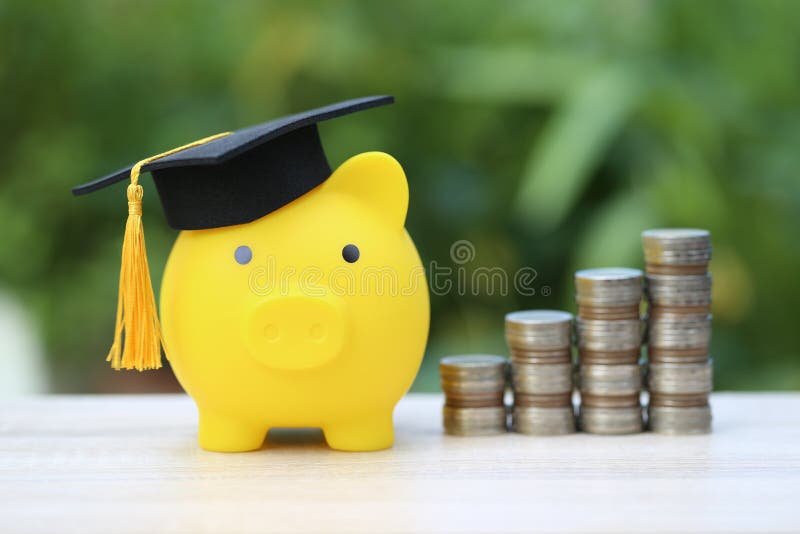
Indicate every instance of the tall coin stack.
{"type": "Point", "coordinates": [540, 343]}
{"type": "Point", "coordinates": [678, 287]}
{"type": "Point", "coordinates": [609, 344]}
{"type": "Point", "coordinates": [474, 386]}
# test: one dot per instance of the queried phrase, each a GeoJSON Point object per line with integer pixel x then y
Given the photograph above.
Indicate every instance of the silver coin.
{"type": "Point", "coordinates": [677, 238]}
{"type": "Point", "coordinates": [609, 297]}
{"type": "Point", "coordinates": [611, 420]}
{"type": "Point", "coordinates": [680, 378]}
{"type": "Point", "coordinates": [467, 387]}
{"type": "Point", "coordinates": [539, 341]}
{"type": "Point", "coordinates": [608, 327]}
{"type": "Point", "coordinates": [611, 380]}
{"type": "Point", "coordinates": [526, 319]}
{"type": "Point", "coordinates": [676, 246]}
{"type": "Point", "coordinates": [600, 335]}
{"type": "Point", "coordinates": [610, 401]}
{"type": "Point", "coordinates": [534, 420]}
{"type": "Point", "coordinates": [678, 290]}
{"type": "Point", "coordinates": [660, 355]}
{"type": "Point", "coordinates": [542, 379]}
{"type": "Point", "coordinates": [670, 420]}
{"type": "Point", "coordinates": [619, 276]}
{"type": "Point", "coordinates": [476, 414]}
{"type": "Point", "coordinates": [665, 249]}
{"type": "Point", "coordinates": [626, 357]}
{"type": "Point", "coordinates": [474, 421]}
{"type": "Point", "coordinates": [473, 366]}
{"type": "Point", "coordinates": [474, 401]}
{"type": "Point", "coordinates": [679, 316]}
{"type": "Point", "coordinates": [677, 257]}
{"type": "Point", "coordinates": [547, 400]}
{"type": "Point", "coordinates": [608, 287]}
{"type": "Point", "coordinates": [563, 355]}
{"type": "Point", "coordinates": [674, 331]}
{"type": "Point", "coordinates": [609, 345]}
{"type": "Point", "coordinates": [681, 400]}
{"type": "Point", "coordinates": [539, 329]}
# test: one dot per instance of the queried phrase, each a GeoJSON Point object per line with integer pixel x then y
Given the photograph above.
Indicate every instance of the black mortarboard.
{"type": "Point", "coordinates": [243, 176]}
{"type": "Point", "coordinates": [222, 180]}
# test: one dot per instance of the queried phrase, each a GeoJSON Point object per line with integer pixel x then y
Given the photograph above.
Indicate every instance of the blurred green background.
{"type": "Point", "coordinates": [548, 134]}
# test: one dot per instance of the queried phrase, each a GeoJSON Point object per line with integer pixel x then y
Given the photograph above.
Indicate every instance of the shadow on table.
{"type": "Point", "coordinates": [284, 438]}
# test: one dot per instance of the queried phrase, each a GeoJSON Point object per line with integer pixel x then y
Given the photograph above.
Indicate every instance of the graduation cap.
{"type": "Point", "coordinates": [222, 180]}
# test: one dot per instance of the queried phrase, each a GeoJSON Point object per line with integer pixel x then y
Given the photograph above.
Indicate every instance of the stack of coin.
{"type": "Point", "coordinates": [474, 386]}
{"type": "Point", "coordinates": [540, 343]}
{"type": "Point", "coordinates": [678, 288]}
{"type": "Point", "coordinates": [609, 343]}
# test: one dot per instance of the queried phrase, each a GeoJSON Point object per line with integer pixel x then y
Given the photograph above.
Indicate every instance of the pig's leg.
{"type": "Point", "coordinates": [225, 434]}
{"type": "Point", "coordinates": [369, 432]}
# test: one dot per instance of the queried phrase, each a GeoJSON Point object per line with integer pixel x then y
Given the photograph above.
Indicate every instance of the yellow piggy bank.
{"type": "Point", "coordinates": [293, 296]}
{"type": "Point", "coordinates": [293, 334]}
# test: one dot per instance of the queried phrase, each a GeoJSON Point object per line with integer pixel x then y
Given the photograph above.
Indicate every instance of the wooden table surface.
{"type": "Point", "coordinates": [131, 464]}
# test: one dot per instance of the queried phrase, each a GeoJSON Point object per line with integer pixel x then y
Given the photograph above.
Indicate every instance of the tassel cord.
{"type": "Point", "coordinates": [138, 340]}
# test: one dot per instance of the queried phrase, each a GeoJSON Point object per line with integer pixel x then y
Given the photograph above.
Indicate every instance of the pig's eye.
{"type": "Point", "coordinates": [243, 255]}
{"type": "Point", "coordinates": [350, 253]}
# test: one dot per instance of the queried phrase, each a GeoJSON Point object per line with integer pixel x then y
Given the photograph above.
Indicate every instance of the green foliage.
{"type": "Point", "coordinates": [549, 134]}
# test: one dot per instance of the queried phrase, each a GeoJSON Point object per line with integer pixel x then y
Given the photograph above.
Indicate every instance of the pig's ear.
{"type": "Point", "coordinates": [377, 180]}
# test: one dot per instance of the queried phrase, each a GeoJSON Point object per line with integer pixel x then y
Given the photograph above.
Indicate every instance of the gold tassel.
{"type": "Point", "coordinates": [137, 314]}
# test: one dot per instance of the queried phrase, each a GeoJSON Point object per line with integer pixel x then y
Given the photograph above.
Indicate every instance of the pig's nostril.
{"type": "Point", "coordinates": [316, 332]}
{"type": "Point", "coordinates": [271, 332]}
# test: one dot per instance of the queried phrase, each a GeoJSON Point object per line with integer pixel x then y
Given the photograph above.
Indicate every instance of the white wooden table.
{"type": "Point", "coordinates": [131, 464]}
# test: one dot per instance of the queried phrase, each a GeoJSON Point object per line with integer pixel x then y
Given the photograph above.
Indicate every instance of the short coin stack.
{"type": "Point", "coordinates": [678, 288]}
{"type": "Point", "coordinates": [609, 343]}
{"type": "Point", "coordinates": [474, 386]}
{"type": "Point", "coordinates": [540, 343]}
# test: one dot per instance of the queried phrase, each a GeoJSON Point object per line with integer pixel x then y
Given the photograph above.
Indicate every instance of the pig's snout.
{"type": "Point", "coordinates": [297, 332]}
